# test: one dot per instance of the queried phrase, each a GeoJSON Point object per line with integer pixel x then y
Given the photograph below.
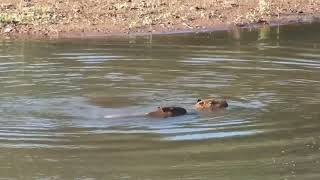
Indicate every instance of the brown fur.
{"type": "Point", "coordinates": [164, 112]}
{"type": "Point", "coordinates": [211, 104]}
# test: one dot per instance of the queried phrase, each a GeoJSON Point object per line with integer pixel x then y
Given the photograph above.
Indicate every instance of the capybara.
{"type": "Point", "coordinates": [164, 112]}
{"type": "Point", "coordinates": [211, 104]}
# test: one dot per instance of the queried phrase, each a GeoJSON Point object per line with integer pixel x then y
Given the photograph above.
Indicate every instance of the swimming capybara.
{"type": "Point", "coordinates": [164, 112]}
{"type": "Point", "coordinates": [211, 104]}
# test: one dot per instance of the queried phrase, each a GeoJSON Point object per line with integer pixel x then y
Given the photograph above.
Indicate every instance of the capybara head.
{"type": "Point", "coordinates": [211, 104]}
{"type": "Point", "coordinates": [164, 112]}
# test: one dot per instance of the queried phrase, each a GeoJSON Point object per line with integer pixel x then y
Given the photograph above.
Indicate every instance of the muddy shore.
{"type": "Point", "coordinates": [96, 18]}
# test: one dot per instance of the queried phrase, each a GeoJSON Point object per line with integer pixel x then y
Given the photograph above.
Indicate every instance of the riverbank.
{"type": "Point", "coordinates": [89, 18]}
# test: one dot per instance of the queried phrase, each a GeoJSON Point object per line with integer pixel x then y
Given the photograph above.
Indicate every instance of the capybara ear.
{"type": "Point", "coordinates": [160, 108]}
{"type": "Point", "coordinates": [198, 100]}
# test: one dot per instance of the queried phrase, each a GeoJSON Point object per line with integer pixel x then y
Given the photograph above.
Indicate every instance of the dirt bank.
{"type": "Point", "coordinates": [85, 18]}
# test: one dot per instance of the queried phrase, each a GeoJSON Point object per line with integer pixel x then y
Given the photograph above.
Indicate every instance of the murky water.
{"type": "Point", "coordinates": [68, 107]}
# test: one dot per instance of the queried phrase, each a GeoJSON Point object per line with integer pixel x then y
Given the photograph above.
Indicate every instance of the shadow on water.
{"type": "Point", "coordinates": [75, 108]}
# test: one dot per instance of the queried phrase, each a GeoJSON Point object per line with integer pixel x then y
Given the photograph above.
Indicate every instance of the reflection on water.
{"type": "Point", "coordinates": [75, 108]}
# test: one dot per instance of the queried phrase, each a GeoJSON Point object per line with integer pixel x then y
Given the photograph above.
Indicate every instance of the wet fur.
{"type": "Point", "coordinates": [171, 111]}
{"type": "Point", "coordinates": [164, 112]}
{"type": "Point", "coordinates": [211, 104]}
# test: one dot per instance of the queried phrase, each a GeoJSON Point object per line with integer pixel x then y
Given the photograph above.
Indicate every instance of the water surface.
{"type": "Point", "coordinates": [70, 108]}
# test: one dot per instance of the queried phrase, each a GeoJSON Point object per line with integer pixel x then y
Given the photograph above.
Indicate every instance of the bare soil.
{"type": "Point", "coordinates": [88, 18]}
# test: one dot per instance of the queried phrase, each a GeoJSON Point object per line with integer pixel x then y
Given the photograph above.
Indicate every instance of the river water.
{"type": "Point", "coordinates": [69, 107]}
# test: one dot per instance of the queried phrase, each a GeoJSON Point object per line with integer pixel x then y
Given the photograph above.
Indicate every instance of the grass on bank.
{"type": "Point", "coordinates": [34, 15]}
{"type": "Point", "coordinates": [136, 15]}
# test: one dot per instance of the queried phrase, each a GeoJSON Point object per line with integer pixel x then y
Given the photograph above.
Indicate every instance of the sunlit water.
{"type": "Point", "coordinates": [73, 109]}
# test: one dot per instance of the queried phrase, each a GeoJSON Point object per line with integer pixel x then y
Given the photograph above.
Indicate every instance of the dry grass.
{"type": "Point", "coordinates": [34, 15]}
